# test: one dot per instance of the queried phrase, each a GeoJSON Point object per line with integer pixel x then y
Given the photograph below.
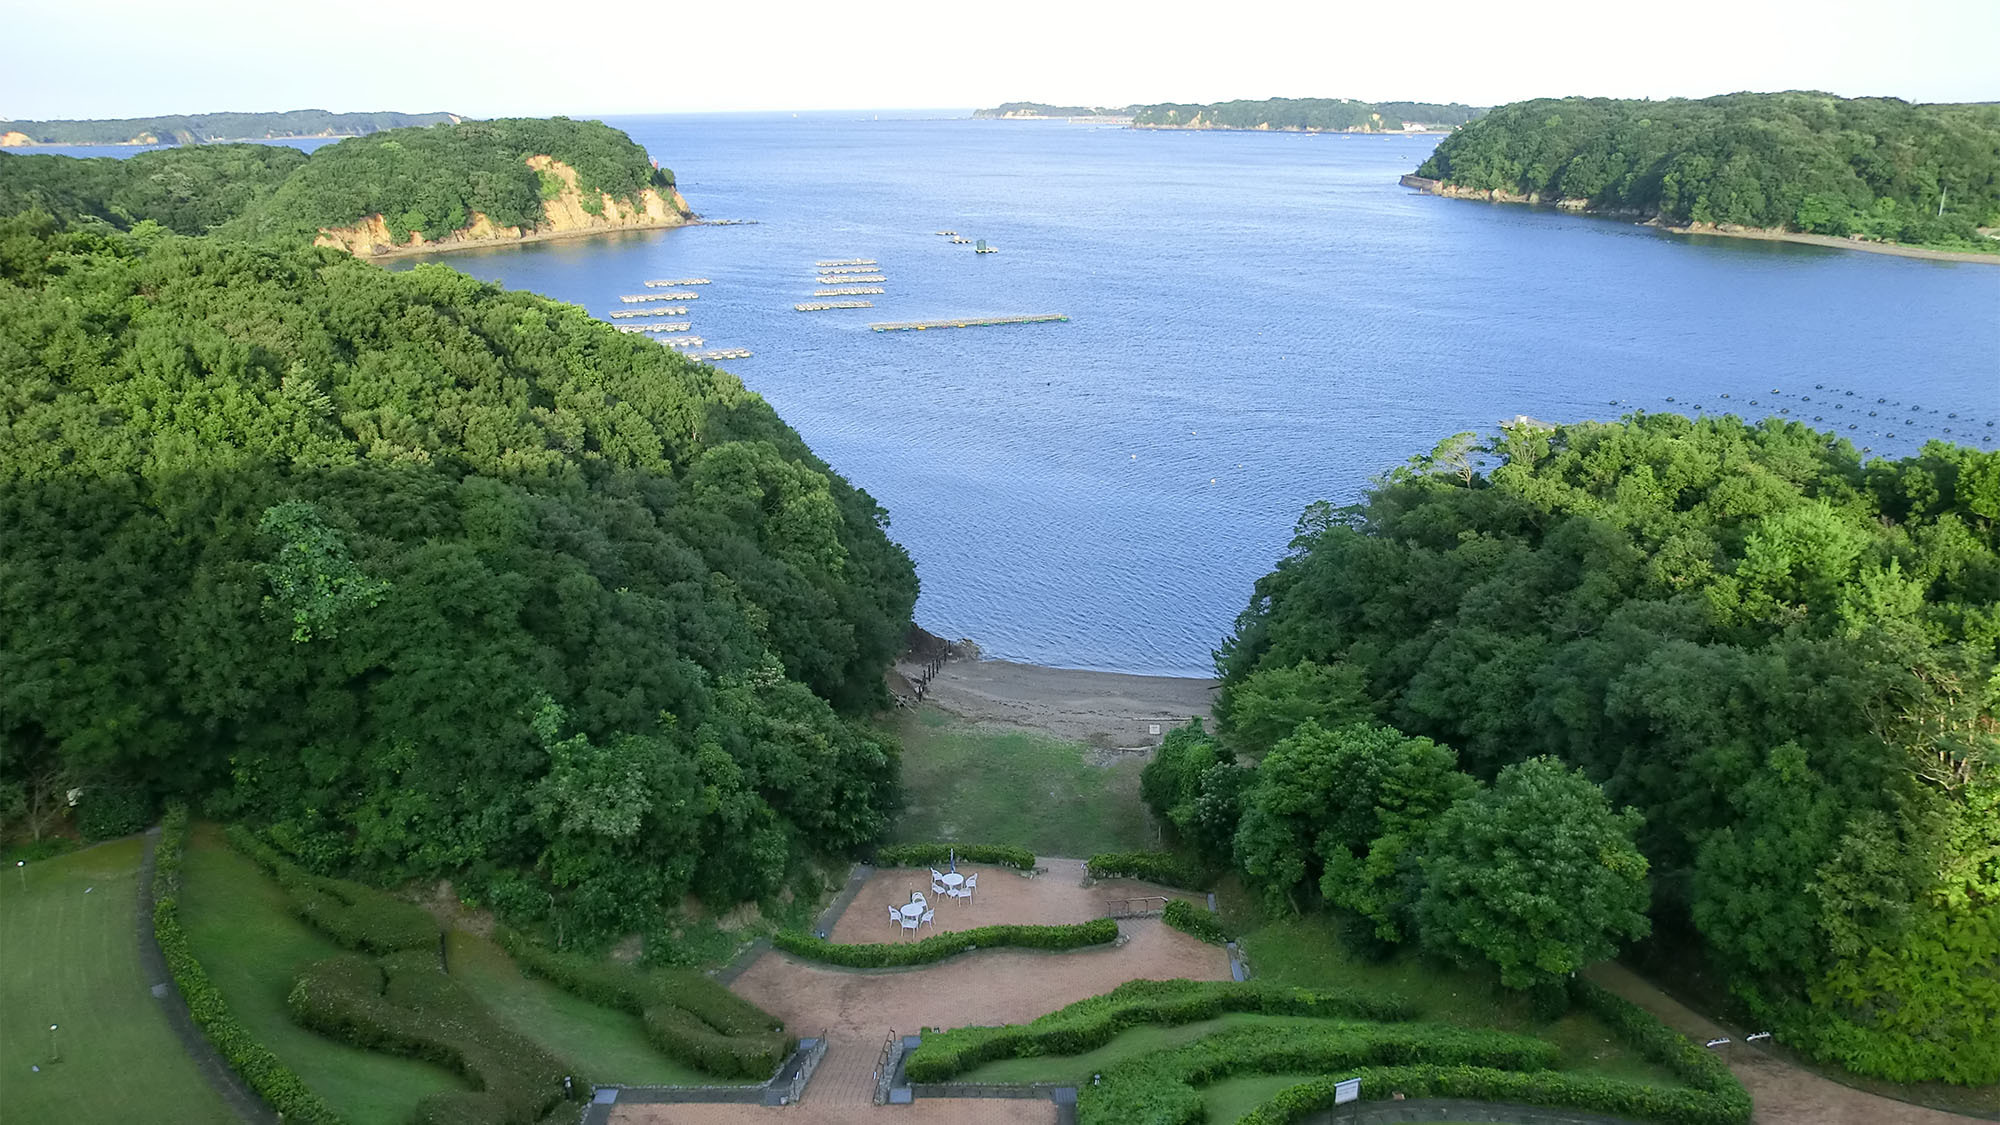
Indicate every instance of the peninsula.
{"type": "Point", "coordinates": [1867, 173]}
{"type": "Point", "coordinates": [210, 128]}
{"type": "Point", "coordinates": [400, 191]}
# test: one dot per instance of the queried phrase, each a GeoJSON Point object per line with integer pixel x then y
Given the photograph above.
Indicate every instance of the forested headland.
{"type": "Point", "coordinates": [1778, 659]}
{"type": "Point", "coordinates": [1873, 168]}
{"type": "Point", "coordinates": [207, 128]}
{"type": "Point", "coordinates": [1306, 115]}
{"type": "Point", "coordinates": [1042, 109]}
{"type": "Point", "coordinates": [424, 579]}
{"type": "Point", "coordinates": [373, 192]}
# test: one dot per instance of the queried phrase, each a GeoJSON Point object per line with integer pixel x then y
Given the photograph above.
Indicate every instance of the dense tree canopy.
{"type": "Point", "coordinates": [1812, 162]}
{"type": "Point", "coordinates": [1306, 114]}
{"type": "Point", "coordinates": [204, 128]}
{"type": "Point", "coordinates": [426, 578]}
{"type": "Point", "coordinates": [1781, 654]}
{"type": "Point", "coordinates": [420, 179]}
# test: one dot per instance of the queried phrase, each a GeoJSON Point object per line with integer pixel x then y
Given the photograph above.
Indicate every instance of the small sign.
{"type": "Point", "coordinates": [1152, 728]}
{"type": "Point", "coordinates": [1348, 1091]}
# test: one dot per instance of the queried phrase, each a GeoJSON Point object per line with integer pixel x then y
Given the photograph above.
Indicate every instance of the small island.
{"type": "Point", "coordinates": [1286, 115]}
{"type": "Point", "coordinates": [1040, 111]}
{"type": "Point", "coordinates": [211, 128]}
{"type": "Point", "coordinates": [1867, 173]}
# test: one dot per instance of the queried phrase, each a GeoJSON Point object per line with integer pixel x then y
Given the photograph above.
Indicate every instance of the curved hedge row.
{"type": "Point", "coordinates": [266, 1074]}
{"type": "Point", "coordinates": [1702, 1069]}
{"type": "Point", "coordinates": [940, 946]}
{"type": "Point", "coordinates": [403, 1004]}
{"type": "Point", "coordinates": [1089, 1024]}
{"type": "Point", "coordinates": [1190, 919]}
{"type": "Point", "coordinates": [937, 855]}
{"type": "Point", "coordinates": [1542, 1087]}
{"type": "Point", "coordinates": [1154, 867]}
{"type": "Point", "coordinates": [356, 916]}
{"type": "Point", "coordinates": [1159, 1089]}
{"type": "Point", "coordinates": [688, 1015]}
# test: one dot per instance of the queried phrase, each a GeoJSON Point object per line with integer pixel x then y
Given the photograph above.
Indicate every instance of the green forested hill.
{"type": "Point", "coordinates": [427, 578]}
{"type": "Point", "coordinates": [1784, 657]}
{"type": "Point", "coordinates": [1811, 162]}
{"type": "Point", "coordinates": [429, 180]}
{"type": "Point", "coordinates": [202, 128]}
{"type": "Point", "coordinates": [1042, 109]}
{"type": "Point", "coordinates": [189, 190]}
{"type": "Point", "coordinates": [1307, 114]}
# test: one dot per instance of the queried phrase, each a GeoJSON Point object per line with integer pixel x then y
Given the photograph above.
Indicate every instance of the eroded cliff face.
{"type": "Point", "coordinates": [12, 139]}
{"type": "Point", "coordinates": [563, 216]}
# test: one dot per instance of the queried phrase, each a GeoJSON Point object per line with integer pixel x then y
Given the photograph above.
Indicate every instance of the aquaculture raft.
{"type": "Point", "coordinates": [822, 306]}
{"type": "Point", "coordinates": [849, 291]}
{"type": "Point", "coordinates": [677, 281]}
{"type": "Point", "coordinates": [636, 298]}
{"type": "Point", "coordinates": [846, 262]}
{"type": "Point", "coordinates": [968, 322]}
{"type": "Point", "coordinates": [851, 279]}
{"type": "Point", "coordinates": [670, 310]}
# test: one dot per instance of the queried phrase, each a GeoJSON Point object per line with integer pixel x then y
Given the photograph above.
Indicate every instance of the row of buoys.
{"type": "Point", "coordinates": [1835, 403]}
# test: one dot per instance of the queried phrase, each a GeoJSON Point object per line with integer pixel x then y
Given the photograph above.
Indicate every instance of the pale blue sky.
{"type": "Point", "coordinates": [105, 58]}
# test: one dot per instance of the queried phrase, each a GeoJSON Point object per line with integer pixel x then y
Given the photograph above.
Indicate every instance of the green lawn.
{"type": "Point", "coordinates": [69, 956]}
{"type": "Point", "coordinates": [977, 786]}
{"type": "Point", "coordinates": [1127, 1045]}
{"type": "Point", "coordinates": [610, 1046]}
{"type": "Point", "coordinates": [1306, 952]}
{"type": "Point", "coordinates": [252, 947]}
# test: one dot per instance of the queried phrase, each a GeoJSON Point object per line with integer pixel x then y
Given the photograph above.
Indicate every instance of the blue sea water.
{"type": "Point", "coordinates": [1258, 321]}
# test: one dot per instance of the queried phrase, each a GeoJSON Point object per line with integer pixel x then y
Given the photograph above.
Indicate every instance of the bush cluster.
{"type": "Point", "coordinates": [937, 855]}
{"type": "Point", "coordinates": [1159, 1089]}
{"type": "Point", "coordinates": [940, 946]}
{"type": "Point", "coordinates": [688, 1015]}
{"type": "Point", "coordinates": [1089, 1024]}
{"type": "Point", "coordinates": [1164, 868]}
{"type": "Point", "coordinates": [402, 1004]}
{"type": "Point", "coordinates": [1544, 1087]}
{"type": "Point", "coordinates": [357, 917]}
{"type": "Point", "coordinates": [271, 1078]}
{"type": "Point", "coordinates": [109, 811]}
{"type": "Point", "coordinates": [1190, 919]}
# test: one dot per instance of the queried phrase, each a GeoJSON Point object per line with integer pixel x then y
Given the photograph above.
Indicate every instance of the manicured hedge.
{"type": "Point", "coordinates": [940, 946]}
{"type": "Point", "coordinates": [404, 1004]}
{"type": "Point", "coordinates": [1713, 1096]}
{"type": "Point", "coordinates": [687, 1015]}
{"type": "Point", "coordinates": [1543, 1087]}
{"type": "Point", "coordinates": [1153, 867]}
{"type": "Point", "coordinates": [1160, 1089]}
{"type": "Point", "coordinates": [1190, 919]}
{"type": "Point", "coordinates": [938, 855]}
{"type": "Point", "coordinates": [1089, 1024]}
{"type": "Point", "coordinates": [358, 917]}
{"type": "Point", "coordinates": [262, 1070]}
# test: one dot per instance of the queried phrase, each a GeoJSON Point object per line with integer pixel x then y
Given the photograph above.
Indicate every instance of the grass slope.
{"type": "Point", "coordinates": [1306, 952]}
{"type": "Point", "coordinates": [71, 958]}
{"type": "Point", "coordinates": [253, 947]}
{"type": "Point", "coordinates": [977, 785]}
{"type": "Point", "coordinates": [610, 1046]}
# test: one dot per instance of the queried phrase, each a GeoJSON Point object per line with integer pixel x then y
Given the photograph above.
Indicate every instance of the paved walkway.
{"type": "Point", "coordinates": [1782, 1094]}
{"type": "Point", "coordinates": [153, 963]}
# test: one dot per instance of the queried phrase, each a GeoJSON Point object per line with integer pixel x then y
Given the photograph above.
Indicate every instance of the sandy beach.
{"type": "Point", "coordinates": [1832, 243]}
{"type": "Point", "coordinates": [1104, 709]}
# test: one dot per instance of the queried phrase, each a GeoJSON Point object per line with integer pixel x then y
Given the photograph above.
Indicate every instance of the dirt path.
{"type": "Point", "coordinates": [1102, 708]}
{"type": "Point", "coordinates": [1782, 1093]}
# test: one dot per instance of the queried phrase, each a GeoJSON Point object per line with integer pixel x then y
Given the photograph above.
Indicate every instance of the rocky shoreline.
{"type": "Point", "coordinates": [1715, 230]}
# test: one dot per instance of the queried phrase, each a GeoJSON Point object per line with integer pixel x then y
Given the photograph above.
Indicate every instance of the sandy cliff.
{"type": "Point", "coordinates": [563, 217]}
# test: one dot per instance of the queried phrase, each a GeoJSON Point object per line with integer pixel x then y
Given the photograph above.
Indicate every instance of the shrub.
{"type": "Point", "coordinates": [261, 1069]}
{"type": "Point", "coordinates": [937, 855]}
{"type": "Point", "coordinates": [1544, 1087]}
{"type": "Point", "coordinates": [1154, 867]}
{"type": "Point", "coordinates": [108, 811]}
{"type": "Point", "coordinates": [1190, 919]}
{"type": "Point", "coordinates": [940, 946]}
{"type": "Point", "coordinates": [358, 917]}
{"type": "Point", "coordinates": [1158, 1089]}
{"type": "Point", "coordinates": [403, 1004]}
{"type": "Point", "coordinates": [1089, 1024]}
{"type": "Point", "coordinates": [1693, 1064]}
{"type": "Point", "coordinates": [687, 1014]}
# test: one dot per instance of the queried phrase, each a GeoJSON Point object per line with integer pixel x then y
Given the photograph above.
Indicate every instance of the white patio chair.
{"type": "Point", "coordinates": [929, 918]}
{"type": "Point", "coordinates": [909, 924]}
{"type": "Point", "coordinates": [895, 916]}
{"type": "Point", "coordinates": [971, 882]}
{"type": "Point", "coordinates": [938, 886]}
{"type": "Point", "coordinates": [918, 896]}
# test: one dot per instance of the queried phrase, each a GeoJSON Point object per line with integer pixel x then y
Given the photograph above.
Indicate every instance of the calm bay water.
{"type": "Point", "coordinates": [1258, 322]}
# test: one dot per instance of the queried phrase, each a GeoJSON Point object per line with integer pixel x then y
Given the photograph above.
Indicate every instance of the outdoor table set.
{"type": "Point", "coordinates": [919, 912]}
